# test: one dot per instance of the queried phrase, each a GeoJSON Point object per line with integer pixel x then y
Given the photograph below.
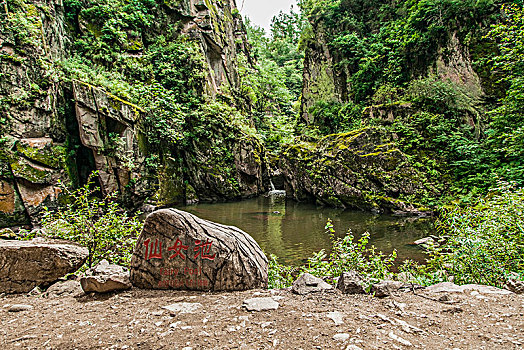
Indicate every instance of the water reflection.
{"type": "Point", "coordinates": [294, 231]}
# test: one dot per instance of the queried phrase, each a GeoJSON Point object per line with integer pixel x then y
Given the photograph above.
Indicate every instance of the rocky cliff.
{"type": "Point", "coordinates": [85, 84]}
{"type": "Point", "coordinates": [362, 169]}
{"type": "Point", "coordinates": [415, 72]}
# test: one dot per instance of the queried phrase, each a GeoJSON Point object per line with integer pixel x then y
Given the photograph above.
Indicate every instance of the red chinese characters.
{"type": "Point", "coordinates": [157, 253]}
{"type": "Point", "coordinates": [203, 249]}
{"type": "Point", "coordinates": [177, 248]}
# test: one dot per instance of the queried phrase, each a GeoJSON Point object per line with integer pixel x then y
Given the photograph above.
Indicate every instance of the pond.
{"type": "Point", "coordinates": [294, 231]}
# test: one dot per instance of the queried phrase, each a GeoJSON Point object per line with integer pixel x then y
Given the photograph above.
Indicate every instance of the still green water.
{"type": "Point", "coordinates": [294, 231]}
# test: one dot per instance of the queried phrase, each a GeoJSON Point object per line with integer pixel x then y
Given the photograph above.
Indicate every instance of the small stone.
{"type": "Point", "coordinates": [515, 285]}
{"type": "Point", "coordinates": [351, 283]}
{"type": "Point", "coordinates": [444, 298]}
{"type": "Point", "coordinates": [19, 308]}
{"type": "Point", "coordinates": [183, 308]}
{"type": "Point", "coordinates": [260, 304]}
{"type": "Point", "coordinates": [35, 291]}
{"type": "Point", "coordinates": [105, 278]}
{"type": "Point", "coordinates": [65, 288]}
{"type": "Point", "coordinates": [353, 347]}
{"type": "Point", "coordinates": [381, 289]}
{"type": "Point", "coordinates": [308, 283]}
{"type": "Point", "coordinates": [337, 317]}
{"type": "Point", "coordinates": [448, 287]}
{"type": "Point", "coordinates": [399, 339]}
{"type": "Point", "coordinates": [341, 337]}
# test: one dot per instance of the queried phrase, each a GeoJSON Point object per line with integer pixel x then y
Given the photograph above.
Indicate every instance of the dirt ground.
{"type": "Point", "coordinates": [136, 320]}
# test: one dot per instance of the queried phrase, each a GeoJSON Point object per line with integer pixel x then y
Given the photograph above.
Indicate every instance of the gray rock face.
{"type": "Point", "coordinates": [105, 277]}
{"type": "Point", "coordinates": [260, 304]}
{"type": "Point", "coordinates": [344, 180]}
{"type": "Point", "coordinates": [177, 250]}
{"type": "Point", "coordinates": [385, 288]}
{"type": "Point", "coordinates": [37, 124]}
{"type": "Point", "coordinates": [516, 286]}
{"type": "Point", "coordinates": [351, 283]}
{"type": "Point", "coordinates": [308, 283]}
{"type": "Point", "coordinates": [448, 287]}
{"type": "Point", "coordinates": [64, 288]}
{"type": "Point", "coordinates": [27, 264]}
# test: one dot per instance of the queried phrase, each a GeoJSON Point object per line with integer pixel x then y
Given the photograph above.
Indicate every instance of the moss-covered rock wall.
{"type": "Point", "coordinates": [137, 91]}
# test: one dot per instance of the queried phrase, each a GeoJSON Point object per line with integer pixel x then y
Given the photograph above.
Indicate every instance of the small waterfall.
{"type": "Point", "coordinates": [274, 192]}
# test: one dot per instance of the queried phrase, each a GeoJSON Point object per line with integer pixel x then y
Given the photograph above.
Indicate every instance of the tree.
{"type": "Point", "coordinates": [507, 125]}
{"type": "Point", "coordinates": [99, 224]}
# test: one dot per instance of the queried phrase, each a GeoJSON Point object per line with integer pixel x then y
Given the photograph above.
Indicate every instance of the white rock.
{"type": "Point", "coordinates": [337, 317]}
{"type": "Point", "coordinates": [308, 283]}
{"type": "Point", "coordinates": [105, 277]}
{"type": "Point", "coordinates": [260, 304]}
{"type": "Point", "coordinates": [19, 308]}
{"type": "Point", "coordinates": [399, 339]}
{"type": "Point", "coordinates": [353, 347]}
{"type": "Point", "coordinates": [449, 287]}
{"type": "Point", "coordinates": [183, 308]}
{"type": "Point", "coordinates": [341, 337]}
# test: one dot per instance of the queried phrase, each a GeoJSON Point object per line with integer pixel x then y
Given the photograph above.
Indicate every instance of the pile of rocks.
{"type": "Point", "coordinates": [176, 250]}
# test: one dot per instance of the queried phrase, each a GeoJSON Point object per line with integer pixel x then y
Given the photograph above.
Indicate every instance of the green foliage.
{"type": "Point", "coordinates": [280, 276]}
{"type": "Point", "coordinates": [334, 116]}
{"type": "Point", "coordinates": [507, 127]}
{"type": "Point", "coordinates": [110, 27]}
{"type": "Point", "coordinates": [379, 46]}
{"type": "Point", "coordinates": [346, 255]}
{"type": "Point", "coordinates": [273, 85]}
{"type": "Point", "coordinates": [350, 255]}
{"type": "Point", "coordinates": [483, 243]}
{"type": "Point", "coordinates": [98, 224]}
{"type": "Point", "coordinates": [24, 21]}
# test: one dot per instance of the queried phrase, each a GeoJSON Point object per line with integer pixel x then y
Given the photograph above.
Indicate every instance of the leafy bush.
{"type": "Point", "coordinates": [280, 276]}
{"type": "Point", "coordinates": [484, 243]}
{"type": "Point", "coordinates": [101, 225]}
{"type": "Point", "coordinates": [347, 255]}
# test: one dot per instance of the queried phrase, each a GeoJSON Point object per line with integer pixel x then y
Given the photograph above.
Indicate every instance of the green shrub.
{"type": "Point", "coordinates": [280, 276]}
{"type": "Point", "coordinates": [346, 255]}
{"type": "Point", "coordinates": [98, 224]}
{"type": "Point", "coordinates": [483, 243]}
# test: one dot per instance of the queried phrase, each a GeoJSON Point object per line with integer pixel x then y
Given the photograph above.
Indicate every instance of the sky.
{"type": "Point", "coordinates": [262, 11]}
